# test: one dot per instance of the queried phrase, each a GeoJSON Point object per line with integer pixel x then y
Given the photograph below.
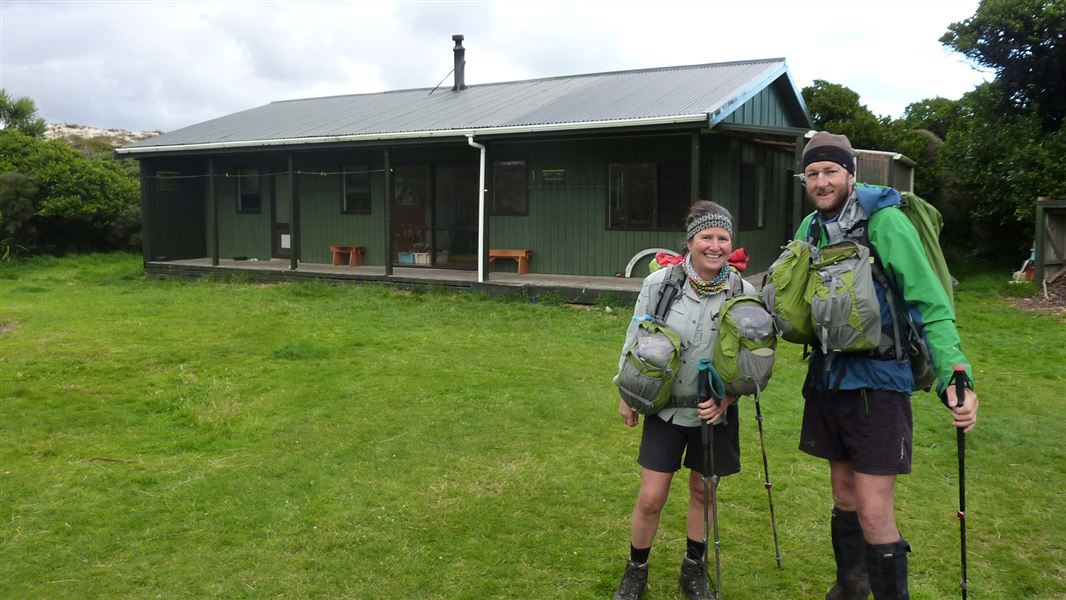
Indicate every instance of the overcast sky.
{"type": "Point", "coordinates": [164, 65]}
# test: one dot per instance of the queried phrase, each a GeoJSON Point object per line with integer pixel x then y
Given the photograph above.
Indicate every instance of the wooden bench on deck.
{"type": "Point", "coordinates": [354, 254]}
{"type": "Point", "coordinates": [522, 256]}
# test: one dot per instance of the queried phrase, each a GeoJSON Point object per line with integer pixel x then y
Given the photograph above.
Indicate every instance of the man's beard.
{"type": "Point", "coordinates": [840, 196]}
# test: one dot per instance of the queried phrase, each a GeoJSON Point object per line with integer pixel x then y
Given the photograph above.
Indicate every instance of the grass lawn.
{"type": "Point", "coordinates": [172, 439]}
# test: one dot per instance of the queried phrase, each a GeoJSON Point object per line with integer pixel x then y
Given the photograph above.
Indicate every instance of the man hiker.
{"type": "Point", "coordinates": [857, 411]}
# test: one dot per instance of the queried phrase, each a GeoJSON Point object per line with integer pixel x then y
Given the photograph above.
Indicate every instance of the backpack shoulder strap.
{"type": "Point", "coordinates": [668, 292]}
{"type": "Point", "coordinates": [813, 228]}
{"type": "Point", "coordinates": [736, 284]}
{"type": "Point", "coordinates": [896, 307]}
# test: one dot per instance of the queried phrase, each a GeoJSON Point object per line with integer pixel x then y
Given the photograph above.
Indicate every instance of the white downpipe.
{"type": "Point", "coordinates": [480, 210]}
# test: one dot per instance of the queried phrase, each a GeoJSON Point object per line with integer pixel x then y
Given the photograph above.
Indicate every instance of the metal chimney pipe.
{"type": "Point", "coordinates": [460, 64]}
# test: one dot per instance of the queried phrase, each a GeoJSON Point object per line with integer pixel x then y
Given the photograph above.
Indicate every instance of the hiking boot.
{"type": "Point", "coordinates": [633, 582]}
{"type": "Point", "coordinates": [693, 580]}
{"type": "Point", "coordinates": [849, 549]}
{"type": "Point", "coordinates": [887, 565]}
{"type": "Point", "coordinates": [857, 590]}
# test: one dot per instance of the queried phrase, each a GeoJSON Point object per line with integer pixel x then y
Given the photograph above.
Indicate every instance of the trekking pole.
{"type": "Point", "coordinates": [960, 380]}
{"type": "Point", "coordinates": [706, 391]}
{"type": "Point", "coordinates": [766, 483]}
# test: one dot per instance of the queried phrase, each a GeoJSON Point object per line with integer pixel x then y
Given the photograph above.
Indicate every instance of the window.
{"type": "Point", "coordinates": [648, 195]}
{"type": "Point", "coordinates": [510, 194]}
{"type": "Point", "coordinates": [355, 189]}
{"type": "Point", "coordinates": [752, 196]}
{"type": "Point", "coordinates": [167, 181]}
{"type": "Point", "coordinates": [248, 197]}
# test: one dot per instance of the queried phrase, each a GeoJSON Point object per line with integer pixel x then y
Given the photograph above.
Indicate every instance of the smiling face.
{"type": "Point", "coordinates": [710, 249]}
{"type": "Point", "coordinates": [828, 186]}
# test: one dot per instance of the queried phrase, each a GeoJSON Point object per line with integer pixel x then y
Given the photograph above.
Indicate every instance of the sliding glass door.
{"type": "Point", "coordinates": [434, 216]}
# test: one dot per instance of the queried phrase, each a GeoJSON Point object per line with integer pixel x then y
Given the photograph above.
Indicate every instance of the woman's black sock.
{"type": "Point", "coordinates": [639, 555]}
{"type": "Point", "coordinates": [695, 549]}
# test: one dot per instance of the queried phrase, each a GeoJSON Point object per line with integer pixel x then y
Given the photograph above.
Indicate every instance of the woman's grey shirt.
{"type": "Point", "coordinates": [695, 321]}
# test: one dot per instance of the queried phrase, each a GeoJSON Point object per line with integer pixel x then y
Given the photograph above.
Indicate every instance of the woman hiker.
{"type": "Point", "coordinates": [674, 432]}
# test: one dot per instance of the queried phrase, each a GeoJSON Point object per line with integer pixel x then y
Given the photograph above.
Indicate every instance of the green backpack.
{"type": "Point", "coordinates": [744, 350]}
{"type": "Point", "coordinates": [928, 221]}
{"type": "Point", "coordinates": [844, 304]}
{"type": "Point", "coordinates": [651, 361]}
{"type": "Point", "coordinates": [785, 294]}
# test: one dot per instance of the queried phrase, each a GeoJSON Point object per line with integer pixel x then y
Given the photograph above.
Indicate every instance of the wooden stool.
{"type": "Point", "coordinates": [522, 256]}
{"type": "Point", "coordinates": [354, 255]}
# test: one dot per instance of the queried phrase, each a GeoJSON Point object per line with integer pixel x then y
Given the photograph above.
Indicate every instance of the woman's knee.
{"type": "Point", "coordinates": [696, 489]}
{"type": "Point", "coordinates": [651, 499]}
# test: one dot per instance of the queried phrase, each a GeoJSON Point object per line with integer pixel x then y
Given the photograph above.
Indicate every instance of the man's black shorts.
{"type": "Point", "coordinates": [662, 444]}
{"type": "Point", "coordinates": [872, 428]}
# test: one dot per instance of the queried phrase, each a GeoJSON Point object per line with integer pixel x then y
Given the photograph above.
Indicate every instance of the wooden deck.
{"type": "Point", "coordinates": [575, 289]}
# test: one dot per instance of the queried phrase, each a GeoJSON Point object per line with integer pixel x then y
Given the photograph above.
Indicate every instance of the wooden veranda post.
{"type": "Point", "coordinates": [798, 195]}
{"type": "Point", "coordinates": [212, 210]}
{"type": "Point", "coordinates": [388, 215]}
{"type": "Point", "coordinates": [694, 177]}
{"type": "Point", "coordinates": [294, 251]}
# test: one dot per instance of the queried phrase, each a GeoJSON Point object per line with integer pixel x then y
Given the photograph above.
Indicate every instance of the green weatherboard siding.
{"type": "Point", "coordinates": [176, 212]}
{"type": "Point", "coordinates": [764, 109]}
{"type": "Point", "coordinates": [567, 223]}
{"type": "Point", "coordinates": [322, 223]}
{"type": "Point", "coordinates": [242, 234]}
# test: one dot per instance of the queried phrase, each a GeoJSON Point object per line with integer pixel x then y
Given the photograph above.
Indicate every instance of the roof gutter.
{"type": "Point", "coordinates": [432, 133]}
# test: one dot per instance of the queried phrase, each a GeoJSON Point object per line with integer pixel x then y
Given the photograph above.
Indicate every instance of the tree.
{"type": "Point", "coordinates": [997, 164]}
{"type": "Point", "coordinates": [53, 197]}
{"type": "Point", "coordinates": [1006, 145]}
{"type": "Point", "coordinates": [21, 114]}
{"type": "Point", "coordinates": [936, 115]}
{"type": "Point", "coordinates": [836, 108]}
{"type": "Point", "coordinates": [1024, 41]}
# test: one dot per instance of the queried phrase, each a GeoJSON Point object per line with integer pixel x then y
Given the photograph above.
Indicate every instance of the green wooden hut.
{"type": "Point", "coordinates": [584, 171]}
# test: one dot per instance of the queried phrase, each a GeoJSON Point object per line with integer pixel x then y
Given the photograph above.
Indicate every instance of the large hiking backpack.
{"type": "Point", "coordinates": [744, 349]}
{"type": "Point", "coordinates": [785, 293]}
{"type": "Point", "coordinates": [928, 222]}
{"type": "Point", "coordinates": [651, 361]}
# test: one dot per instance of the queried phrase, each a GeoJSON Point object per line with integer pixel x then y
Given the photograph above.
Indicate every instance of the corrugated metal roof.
{"type": "Point", "coordinates": [669, 94]}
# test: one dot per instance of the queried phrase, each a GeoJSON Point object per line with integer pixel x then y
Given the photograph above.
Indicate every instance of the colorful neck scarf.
{"type": "Point", "coordinates": [703, 287]}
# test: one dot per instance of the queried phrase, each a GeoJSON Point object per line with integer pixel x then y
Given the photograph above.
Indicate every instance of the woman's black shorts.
{"type": "Point", "coordinates": [662, 445]}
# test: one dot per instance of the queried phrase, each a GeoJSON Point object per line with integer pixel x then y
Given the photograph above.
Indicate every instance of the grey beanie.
{"type": "Point", "coordinates": [830, 146]}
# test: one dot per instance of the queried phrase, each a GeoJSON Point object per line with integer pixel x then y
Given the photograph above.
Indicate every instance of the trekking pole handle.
{"type": "Point", "coordinates": [705, 390]}
{"type": "Point", "coordinates": [961, 379]}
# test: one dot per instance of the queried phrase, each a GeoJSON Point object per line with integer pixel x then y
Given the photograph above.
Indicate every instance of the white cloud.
{"type": "Point", "coordinates": [149, 65]}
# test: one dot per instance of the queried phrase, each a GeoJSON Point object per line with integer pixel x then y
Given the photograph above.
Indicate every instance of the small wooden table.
{"type": "Point", "coordinates": [353, 253]}
{"type": "Point", "coordinates": [522, 256]}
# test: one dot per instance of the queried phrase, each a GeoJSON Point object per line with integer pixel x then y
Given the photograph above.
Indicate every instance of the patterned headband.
{"type": "Point", "coordinates": [710, 220]}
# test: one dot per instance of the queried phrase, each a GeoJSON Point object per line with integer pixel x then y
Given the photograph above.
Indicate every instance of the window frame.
{"type": "Point", "coordinates": [242, 173]}
{"type": "Point", "coordinates": [523, 189]}
{"type": "Point", "coordinates": [346, 209]}
{"type": "Point", "coordinates": [167, 181]}
{"type": "Point", "coordinates": [656, 224]}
